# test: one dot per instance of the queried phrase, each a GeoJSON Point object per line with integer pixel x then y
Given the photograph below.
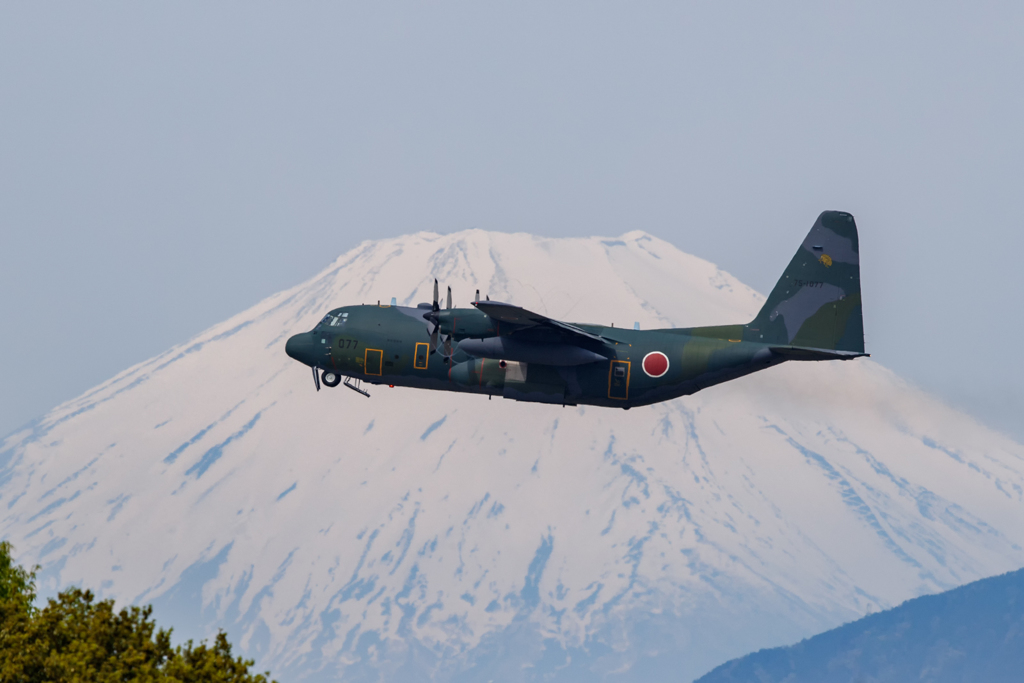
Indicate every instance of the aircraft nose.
{"type": "Point", "coordinates": [299, 347]}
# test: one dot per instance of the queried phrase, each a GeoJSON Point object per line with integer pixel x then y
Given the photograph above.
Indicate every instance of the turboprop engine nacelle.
{"type": "Point", "coordinates": [529, 352]}
{"type": "Point", "coordinates": [485, 372]}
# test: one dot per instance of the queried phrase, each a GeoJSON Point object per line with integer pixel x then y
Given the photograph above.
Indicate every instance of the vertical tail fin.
{"type": "Point", "coordinates": [816, 304]}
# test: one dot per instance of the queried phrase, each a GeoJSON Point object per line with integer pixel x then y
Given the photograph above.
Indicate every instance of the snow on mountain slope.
{"type": "Point", "coordinates": [418, 534]}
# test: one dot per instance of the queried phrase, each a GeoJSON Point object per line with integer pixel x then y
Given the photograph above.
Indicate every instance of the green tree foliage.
{"type": "Point", "coordinates": [77, 639]}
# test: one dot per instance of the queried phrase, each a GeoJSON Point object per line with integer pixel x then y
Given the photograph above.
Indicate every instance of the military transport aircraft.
{"type": "Point", "coordinates": [814, 313]}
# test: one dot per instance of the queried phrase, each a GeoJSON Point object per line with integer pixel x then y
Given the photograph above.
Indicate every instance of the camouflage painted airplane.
{"type": "Point", "coordinates": [814, 313]}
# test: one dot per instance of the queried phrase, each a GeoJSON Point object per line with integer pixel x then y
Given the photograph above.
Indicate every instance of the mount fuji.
{"type": "Point", "coordinates": [426, 535]}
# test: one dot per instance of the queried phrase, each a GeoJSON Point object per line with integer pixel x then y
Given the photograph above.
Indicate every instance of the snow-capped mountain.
{"type": "Point", "coordinates": [423, 534]}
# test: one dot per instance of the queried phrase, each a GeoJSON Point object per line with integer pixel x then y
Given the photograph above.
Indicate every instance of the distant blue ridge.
{"type": "Point", "coordinates": [971, 633]}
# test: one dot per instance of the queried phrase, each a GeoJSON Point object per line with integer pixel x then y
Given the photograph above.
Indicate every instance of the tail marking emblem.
{"type": "Point", "coordinates": [826, 260]}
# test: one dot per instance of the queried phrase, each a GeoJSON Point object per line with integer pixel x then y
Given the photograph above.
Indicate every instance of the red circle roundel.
{"type": "Point", "coordinates": [655, 364]}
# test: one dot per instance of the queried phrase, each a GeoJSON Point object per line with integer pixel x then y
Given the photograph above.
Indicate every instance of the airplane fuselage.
{"type": "Point", "coordinates": [391, 345]}
{"type": "Point", "coordinates": [500, 349]}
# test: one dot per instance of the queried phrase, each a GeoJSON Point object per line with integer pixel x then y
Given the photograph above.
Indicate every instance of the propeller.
{"type": "Point", "coordinates": [448, 337]}
{"type": "Point", "coordinates": [434, 317]}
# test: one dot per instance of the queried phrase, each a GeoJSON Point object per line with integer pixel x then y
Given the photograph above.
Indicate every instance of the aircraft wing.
{"type": "Point", "coordinates": [530, 326]}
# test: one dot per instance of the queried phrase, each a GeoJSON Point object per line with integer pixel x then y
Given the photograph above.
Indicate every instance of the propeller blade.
{"type": "Point", "coordinates": [477, 295]}
{"type": "Point", "coordinates": [433, 339]}
{"type": "Point", "coordinates": [449, 298]}
{"type": "Point", "coordinates": [436, 307]}
{"type": "Point", "coordinates": [448, 346]}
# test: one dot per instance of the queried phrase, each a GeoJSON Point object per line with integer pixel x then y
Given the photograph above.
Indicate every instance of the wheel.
{"type": "Point", "coordinates": [331, 379]}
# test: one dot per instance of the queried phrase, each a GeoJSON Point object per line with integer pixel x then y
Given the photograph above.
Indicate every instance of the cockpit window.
{"type": "Point", "coordinates": [331, 320]}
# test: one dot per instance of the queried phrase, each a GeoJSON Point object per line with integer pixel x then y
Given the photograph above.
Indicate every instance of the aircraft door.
{"type": "Point", "coordinates": [419, 361]}
{"type": "Point", "coordinates": [618, 379]}
{"type": "Point", "coordinates": [372, 361]}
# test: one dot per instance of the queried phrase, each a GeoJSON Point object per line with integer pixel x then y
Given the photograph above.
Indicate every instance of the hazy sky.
{"type": "Point", "coordinates": [165, 165]}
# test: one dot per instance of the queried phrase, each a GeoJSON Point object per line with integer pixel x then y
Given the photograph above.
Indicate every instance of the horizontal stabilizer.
{"type": "Point", "coordinates": [807, 353]}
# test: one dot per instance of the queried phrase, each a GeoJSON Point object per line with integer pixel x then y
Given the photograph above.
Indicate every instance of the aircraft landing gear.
{"type": "Point", "coordinates": [331, 379]}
